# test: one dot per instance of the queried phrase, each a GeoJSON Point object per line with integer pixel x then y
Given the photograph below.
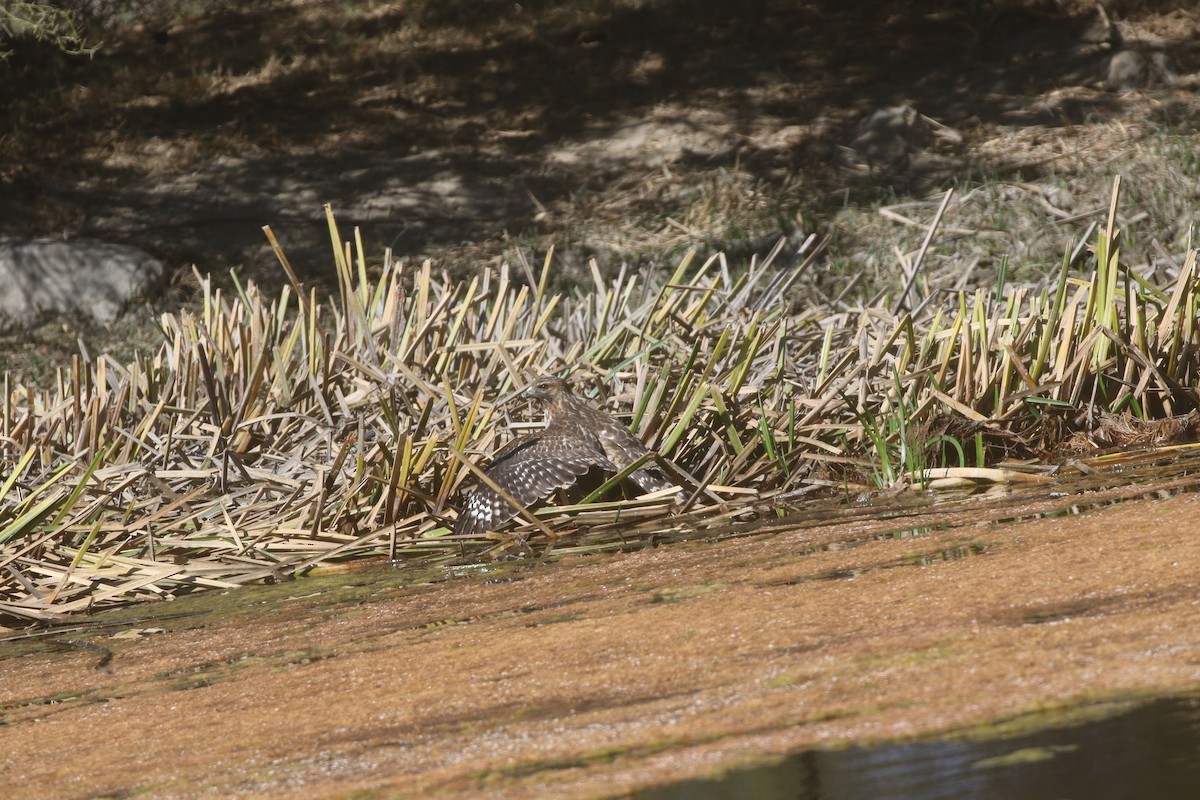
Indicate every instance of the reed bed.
{"type": "Point", "coordinates": [268, 436]}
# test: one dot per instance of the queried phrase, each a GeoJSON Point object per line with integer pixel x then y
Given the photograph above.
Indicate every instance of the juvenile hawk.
{"type": "Point", "coordinates": [576, 439]}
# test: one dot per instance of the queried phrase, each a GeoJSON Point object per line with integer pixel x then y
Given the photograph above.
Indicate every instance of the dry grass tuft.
{"type": "Point", "coordinates": [270, 435]}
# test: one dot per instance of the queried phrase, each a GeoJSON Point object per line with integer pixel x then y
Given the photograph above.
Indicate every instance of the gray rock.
{"type": "Point", "coordinates": [1127, 69]}
{"type": "Point", "coordinates": [888, 137]}
{"type": "Point", "coordinates": [1135, 69]}
{"type": "Point", "coordinates": [93, 279]}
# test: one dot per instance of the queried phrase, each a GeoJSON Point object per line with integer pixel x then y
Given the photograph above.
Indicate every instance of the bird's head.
{"type": "Point", "coordinates": [547, 387]}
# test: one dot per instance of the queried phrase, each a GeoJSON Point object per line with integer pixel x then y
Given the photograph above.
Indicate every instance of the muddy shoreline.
{"type": "Point", "coordinates": [596, 676]}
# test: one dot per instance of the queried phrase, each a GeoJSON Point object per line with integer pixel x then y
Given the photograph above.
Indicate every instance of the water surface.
{"type": "Point", "coordinates": [1149, 751]}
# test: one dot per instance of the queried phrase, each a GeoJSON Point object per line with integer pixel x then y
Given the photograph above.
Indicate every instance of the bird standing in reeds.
{"type": "Point", "coordinates": [577, 439]}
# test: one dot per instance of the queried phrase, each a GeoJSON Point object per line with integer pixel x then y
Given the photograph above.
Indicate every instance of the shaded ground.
{"type": "Point", "coordinates": [597, 675]}
{"type": "Point", "coordinates": [624, 129]}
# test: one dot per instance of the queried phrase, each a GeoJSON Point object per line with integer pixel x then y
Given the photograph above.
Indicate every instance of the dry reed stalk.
{"type": "Point", "coordinates": [268, 436]}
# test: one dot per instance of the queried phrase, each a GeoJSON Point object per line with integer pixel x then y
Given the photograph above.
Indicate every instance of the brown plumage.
{"type": "Point", "coordinates": [577, 439]}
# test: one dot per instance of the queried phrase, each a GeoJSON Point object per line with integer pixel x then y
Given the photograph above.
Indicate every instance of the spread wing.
{"type": "Point", "coordinates": [623, 448]}
{"type": "Point", "coordinates": [528, 469]}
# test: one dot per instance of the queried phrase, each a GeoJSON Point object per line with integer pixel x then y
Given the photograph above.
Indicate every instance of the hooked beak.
{"type": "Point", "coordinates": [535, 392]}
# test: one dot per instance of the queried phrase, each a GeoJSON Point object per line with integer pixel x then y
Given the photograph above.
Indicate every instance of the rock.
{"type": "Point", "coordinates": [1134, 69]}
{"type": "Point", "coordinates": [93, 279]}
{"type": "Point", "coordinates": [1127, 69]}
{"type": "Point", "coordinates": [889, 136]}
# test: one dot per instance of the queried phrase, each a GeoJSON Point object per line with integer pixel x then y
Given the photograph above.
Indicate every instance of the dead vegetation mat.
{"type": "Point", "coordinates": [270, 435]}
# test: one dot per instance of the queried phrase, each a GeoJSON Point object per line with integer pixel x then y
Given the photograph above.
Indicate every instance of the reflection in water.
{"type": "Point", "coordinates": [1152, 751]}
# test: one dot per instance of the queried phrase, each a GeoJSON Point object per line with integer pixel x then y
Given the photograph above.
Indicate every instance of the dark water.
{"type": "Point", "coordinates": [1151, 751]}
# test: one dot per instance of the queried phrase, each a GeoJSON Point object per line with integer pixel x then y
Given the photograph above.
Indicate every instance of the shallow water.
{"type": "Point", "coordinates": [1150, 751]}
{"type": "Point", "coordinates": [593, 673]}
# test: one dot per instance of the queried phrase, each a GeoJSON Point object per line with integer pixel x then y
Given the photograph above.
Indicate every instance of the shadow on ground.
{"type": "Point", "coordinates": [432, 126]}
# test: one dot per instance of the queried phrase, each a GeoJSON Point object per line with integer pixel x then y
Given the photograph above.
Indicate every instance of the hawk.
{"type": "Point", "coordinates": [577, 439]}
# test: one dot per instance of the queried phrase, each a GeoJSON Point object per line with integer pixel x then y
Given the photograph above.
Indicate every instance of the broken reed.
{"type": "Point", "coordinates": [268, 435]}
